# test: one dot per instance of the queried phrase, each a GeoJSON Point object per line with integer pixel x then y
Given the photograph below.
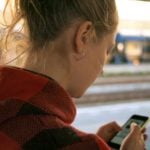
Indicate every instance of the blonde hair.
{"type": "Point", "coordinates": [45, 20]}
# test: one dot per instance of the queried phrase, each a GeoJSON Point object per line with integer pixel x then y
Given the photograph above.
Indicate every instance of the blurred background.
{"type": "Point", "coordinates": [124, 88]}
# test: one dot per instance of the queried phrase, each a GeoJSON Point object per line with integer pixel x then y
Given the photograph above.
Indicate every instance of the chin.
{"type": "Point", "coordinates": [77, 94]}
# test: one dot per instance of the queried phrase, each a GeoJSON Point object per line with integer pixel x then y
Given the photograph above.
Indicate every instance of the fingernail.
{"type": "Point", "coordinates": [133, 124]}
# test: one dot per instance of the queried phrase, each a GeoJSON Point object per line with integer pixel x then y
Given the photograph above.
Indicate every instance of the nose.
{"type": "Point", "coordinates": [101, 72]}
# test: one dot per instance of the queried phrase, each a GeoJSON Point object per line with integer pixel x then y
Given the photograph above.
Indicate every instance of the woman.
{"type": "Point", "coordinates": [69, 41]}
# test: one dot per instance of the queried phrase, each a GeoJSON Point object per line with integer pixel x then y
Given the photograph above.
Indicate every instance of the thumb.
{"type": "Point", "coordinates": [135, 130]}
{"type": "Point", "coordinates": [133, 126]}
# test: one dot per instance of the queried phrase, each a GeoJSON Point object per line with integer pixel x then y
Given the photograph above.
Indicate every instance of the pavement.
{"type": "Point", "coordinates": [91, 117]}
{"type": "Point", "coordinates": [127, 68]}
{"type": "Point", "coordinates": [116, 92]}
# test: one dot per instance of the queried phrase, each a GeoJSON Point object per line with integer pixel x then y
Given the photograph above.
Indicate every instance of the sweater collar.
{"type": "Point", "coordinates": [40, 91]}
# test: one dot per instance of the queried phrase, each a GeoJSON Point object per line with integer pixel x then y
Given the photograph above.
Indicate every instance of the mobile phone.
{"type": "Point", "coordinates": [141, 121]}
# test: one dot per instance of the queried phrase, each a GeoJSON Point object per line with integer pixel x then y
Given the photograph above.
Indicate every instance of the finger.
{"type": "Point", "coordinates": [142, 140]}
{"type": "Point", "coordinates": [135, 130]}
{"type": "Point", "coordinates": [143, 130]}
{"type": "Point", "coordinates": [112, 127]}
{"type": "Point", "coordinates": [117, 126]}
{"type": "Point", "coordinates": [145, 136]}
{"type": "Point", "coordinates": [134, 126]}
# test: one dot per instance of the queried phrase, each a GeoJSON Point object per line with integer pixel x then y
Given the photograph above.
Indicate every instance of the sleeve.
{"type": "Point", "coordinates": [89, 142]}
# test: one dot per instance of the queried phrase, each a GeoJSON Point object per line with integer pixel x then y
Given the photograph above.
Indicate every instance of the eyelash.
{"type": "Point", "coordinates": [109, 51]}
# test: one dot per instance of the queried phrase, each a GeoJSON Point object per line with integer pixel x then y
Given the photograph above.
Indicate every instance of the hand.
{"type": "Point", "coordinates": [144, 134]}
{"type": "Point", "coordinates": [134, 140]}
{"type": "Point", "coordinates": [107, 131]}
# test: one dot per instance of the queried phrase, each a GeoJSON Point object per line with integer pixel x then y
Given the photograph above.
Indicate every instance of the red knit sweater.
{"type": "Point", "coordinates": [36, 114]}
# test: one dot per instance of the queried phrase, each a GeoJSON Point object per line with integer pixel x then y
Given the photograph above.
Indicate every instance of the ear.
{"type": "Point", "coordinates": [82, 37]}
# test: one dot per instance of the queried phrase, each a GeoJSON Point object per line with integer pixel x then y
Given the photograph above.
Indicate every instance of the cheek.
{"type": "Point", "coordinates": [101, 57]}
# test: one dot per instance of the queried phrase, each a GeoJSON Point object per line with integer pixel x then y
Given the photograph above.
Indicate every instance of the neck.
{"type": "Point", "coordinates": [49, 63]}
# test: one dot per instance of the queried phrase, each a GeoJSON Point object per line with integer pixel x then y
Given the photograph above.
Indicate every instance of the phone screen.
{"type": "Point", "coordinates": [118, 138]}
